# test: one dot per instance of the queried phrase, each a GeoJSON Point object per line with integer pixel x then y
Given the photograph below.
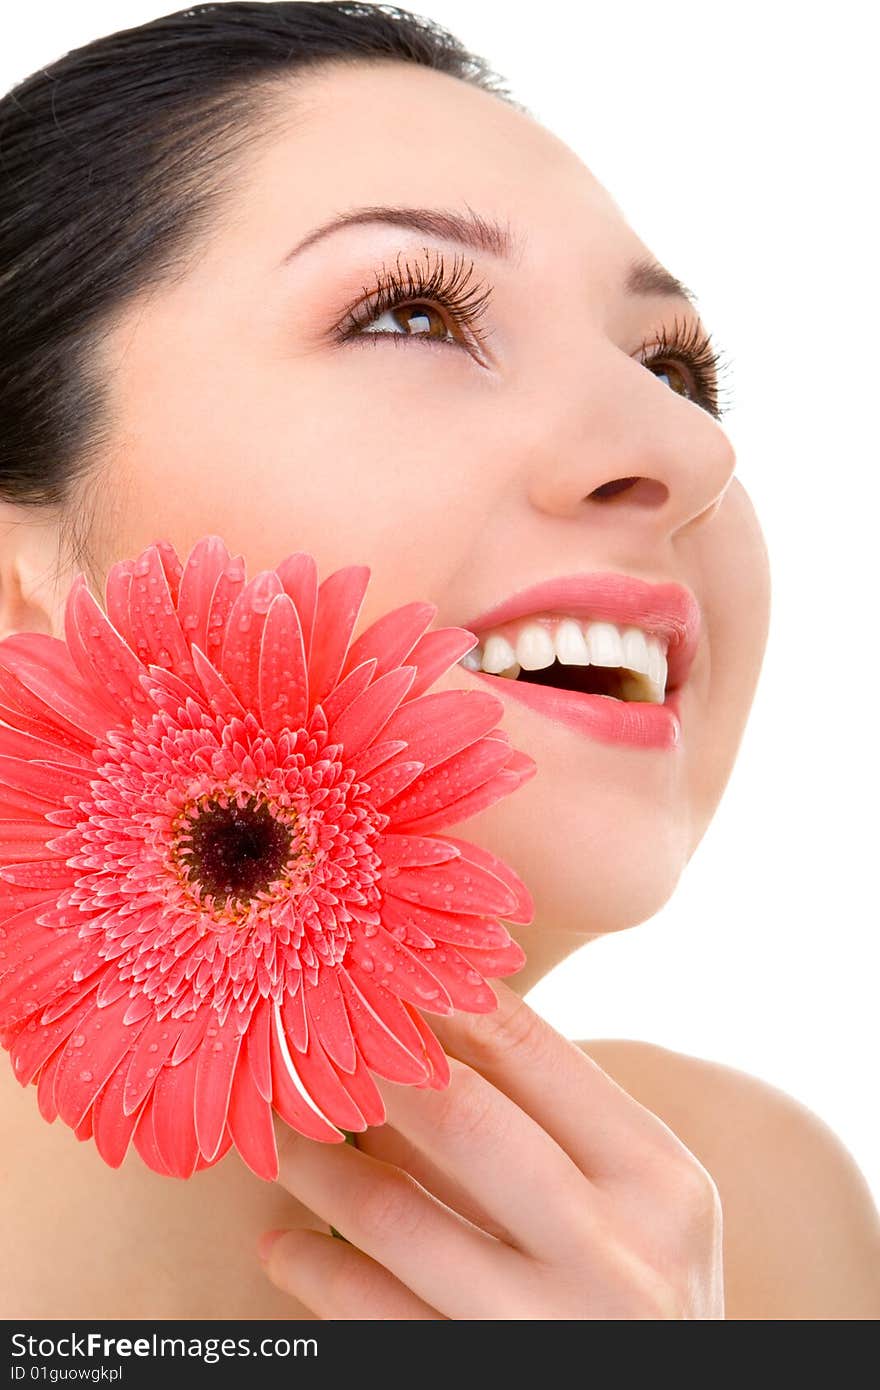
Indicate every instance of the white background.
{"type": "Point", "coordinates": [741, 143]}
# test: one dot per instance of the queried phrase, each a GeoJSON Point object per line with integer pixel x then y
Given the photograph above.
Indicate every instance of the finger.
{"type": "Point", "coordinates": [497, 1152]}
{"type": "Point", "coordinates": [604, 1130]}
{"type": "Point", "coordinates": [390, 1217]}
{"type": "Point", "coordinates": [337, 1281]}
{"type": "Point", "coordinates": [387, 1143]}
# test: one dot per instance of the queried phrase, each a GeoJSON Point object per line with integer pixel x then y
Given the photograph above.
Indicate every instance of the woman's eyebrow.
{"type": "Point", "coordinates": [644, 277]}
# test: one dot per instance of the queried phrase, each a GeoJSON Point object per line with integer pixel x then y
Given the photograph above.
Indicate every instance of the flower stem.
{"type": "Point", "coordinates": [349, 1139]}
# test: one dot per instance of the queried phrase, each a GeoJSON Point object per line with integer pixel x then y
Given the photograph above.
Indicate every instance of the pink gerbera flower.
{"type": "Point", "coordinates": [222, 891]}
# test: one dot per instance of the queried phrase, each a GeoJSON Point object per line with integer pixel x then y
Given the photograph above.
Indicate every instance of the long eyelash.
{"type": "Point", "coordinates": [694, 347]}
{"type": "Point", "coordinates": [451, 289]}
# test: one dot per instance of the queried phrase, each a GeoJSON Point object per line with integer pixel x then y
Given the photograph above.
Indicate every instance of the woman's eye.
{"type": "Point", "coordinates": [663, 369]}
{"type": "Point", "coordinates": [417, 320]}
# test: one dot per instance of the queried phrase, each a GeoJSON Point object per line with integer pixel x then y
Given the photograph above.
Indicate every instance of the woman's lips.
{"type": "Point", "coordinates": [635, 723]}
{"type": "Point", "coordinates": [667, 610]}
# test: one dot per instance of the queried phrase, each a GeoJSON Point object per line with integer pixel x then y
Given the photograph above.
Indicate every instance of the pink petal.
{"type": "Point", "coordinates": [145, 1139]}
{"type": "Point", "coordinates": [250, 1124]}
{"type": "Point", "coordinates": [440, 1074]}
{"type": "Point", "coordinates": [43, 779]}
{"type": "Point", "coordinates": [50, 874]}
{"type": "Point", "coordinates": [497, 787]}
{"type": "Point", "coordinates": [299, 575]}
{"type": "Point", "coordinates": [240, 658]}
{"type": "Point", "coordinates": [382, 1051]}
{"type": "Point", "coordinates": [216, 1067]}
{"type": "Point", "coordinates": [154, 1045]}
{"type": "Point", "coordinates": [171, 565]}
{"type": "Point", "coordinates": [67, 707]}
{"type": "Point", "coordinates": [525, 907]}
{"type": "Point", "coordinates": [113, 1128]}
{"type": "Point", "coordinates": [191, 1034]}
{"type": "Point", "coordinates": [362, 1089]}
{"type": "Point", "coordinates": [46, 1088]}
{"type": "Point", "coordinates": [226, 590]}
{"type": "Point", "coordinates": [436, 653]}
{"type": "Point", "coordinates": [287, 1092]}
{"type": "Point", "coordinates": [340, 597]}
{"type": "Point", "coordinates": [257, 1048]}
{"type": "Point", "coordinates": [222, 700]}
{"type": "Point", "coordinates": [295, 1020]}
{"type": "Point", "coordinates": [457, 886]}
{"type": "Point", "coordinates": [422, 926]}
{"type": "Point", "coordinates": [175, 1097]}
{"type": "Point", "coordinates": [50, 653]}
{"type": "Point", "coordinates": [83, 1069]}
{"type": "Point", "coordinates": [104, 662]}
{"type": "Point", "coordinates": [22, 839]}
{"type": "Point", "coordinates": [84, 1129]}
{"type": "Point", "coordinates": [341, 695]}
{"type": "Point", "coordinates": [499, 960]}
{"type": "Point", "coordinates": [329, 1019]}
{"type": "Point", "coordinates": [117, 589]}
{"type": "Point", "coordinates": [410, 851]}
{"type": "Point", "coordinates": [388, 781]}
{"type": "Point", "coordinates": [392, 637]}
{"type": "Point", "coordinates": [26, 985]}
{"type": "Point", "coordinates": [204, 565]}
{"type": "Point", "coordinates": [322, 1084]}
{"type": "Point", "coordinates": [156, 634]}
{"type": "Point", "coordinates": [32, 1048]}
{"type": "Point", "coordinates": [368, 714]}
{"type": "Point", "coordinates": [440, 724]}
{"type": "Point", "coordinates": [390, 963]}
{"type": "Point", "coordinates": [283, 675]}
{"type": "Point", "coordinates": [449, 781]}
{"type": "Point", "coordinates": [375, 755]}
{"type": "Point", "coordinates": [225, 1146]}
{"type": "Point", "coordinates": [465, 985]}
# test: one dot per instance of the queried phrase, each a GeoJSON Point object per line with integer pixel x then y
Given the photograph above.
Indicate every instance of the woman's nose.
{"type": "Point", "coordinates": [635, 449]}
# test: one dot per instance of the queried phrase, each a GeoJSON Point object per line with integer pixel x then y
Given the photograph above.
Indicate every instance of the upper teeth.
{"type": "Point", "coordinates": [535, 642]}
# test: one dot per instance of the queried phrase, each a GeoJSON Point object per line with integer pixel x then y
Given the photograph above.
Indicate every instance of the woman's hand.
{"type": "Point", "coordinates": [533, 1187]}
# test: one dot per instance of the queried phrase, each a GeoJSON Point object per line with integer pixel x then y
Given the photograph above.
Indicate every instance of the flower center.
{"type": "Point", "coordinates": [234, 851]}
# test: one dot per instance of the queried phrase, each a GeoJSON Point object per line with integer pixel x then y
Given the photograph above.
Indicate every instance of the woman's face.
{"type": "Point", "coordinates": [459, 470]}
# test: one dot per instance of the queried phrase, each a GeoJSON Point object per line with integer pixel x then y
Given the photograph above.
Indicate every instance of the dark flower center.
{"type": "Point", "coordinates": [236, 851]}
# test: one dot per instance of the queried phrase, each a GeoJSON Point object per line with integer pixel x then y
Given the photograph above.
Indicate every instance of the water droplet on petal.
{"type": "Point", "coordinates": [78, 1040]}
{"type": "Point", "coordinates": [86, 1076]}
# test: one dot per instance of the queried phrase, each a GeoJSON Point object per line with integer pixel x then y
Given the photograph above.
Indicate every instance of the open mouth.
{"type": "Point", "coordinates": [594, 658]}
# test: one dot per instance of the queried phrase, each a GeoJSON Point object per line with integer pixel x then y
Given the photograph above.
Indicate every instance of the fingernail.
{"type": "Point", "coordinates": [265, 1243]}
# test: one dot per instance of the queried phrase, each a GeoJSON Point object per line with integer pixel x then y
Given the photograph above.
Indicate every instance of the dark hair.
{"type": "Point", "coordinates": [111, 163]}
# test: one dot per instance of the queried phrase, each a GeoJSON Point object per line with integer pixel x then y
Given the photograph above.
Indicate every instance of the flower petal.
{"type": "Point", "coordinates": [391, 638]}
{"type": "Point", "coordinates": [46, 1088]}
{"type": "Point", "coordinates": [229, 584]}
{"type": "Point", "coordinates": [154, 1045]}
{"type": "Point", "coordinates": [449, 781]}
{"type": "Point", "coordinates": [156, 634]}
{"type": "Point", "coordinates": [456, 886]}
{"type": "Point", "coordinates": [104, 658]}
{"type": "Point", "coordinates": [389, 780]}
{"type": "Point", "coordinates": [283, 678]}
{"type": "Point", "coordinates": [409, 851]}
{"type": "Point", "coordinates": [341, 695]}
{"type": "Point", "coordinates": [499, 960]}
{"type": "Point", "coordinates": [465, 985]}
{"type": "Point", "coordinates": [329, 1019]}
{"type": "Point", "coordinates": [368, 714]}
{"type": "Point", "coordinates": [322, 1083]}
{"type": "Point", "coordinates": [389, 962]}
{"type": "Point", "coordinates": [257, 1048]}
{"type": "Point", "coordinates": [175, 1118]}
{"type": "Point", "coordinates": [340, 597]}
{"type": "Point", "coordinates": [422, 926]}
{"type": "Point", "coordinates": [299, 575]}
{"type": "Point", "coordinates": [92, 1053]}
{"type": "Point", "coordinates": [363, 1091]}
{"type": "Point", "coordinates": [44, 779]}
{"type": "Point", "coordinates": [485, 795]}
{"type": "Point", "coordinates": [223, 701]}
{"type": "Point", "coordinates": [438, 725]}
{"type": "Point", "coordinates": [525, 907]}
{"type": "Point", "coordinates": [289, 1096]}
{"type": "Point", "coordinates": [113, 1128]}
{"type": "Point", "coordinates": [440, 1074]}
{"type": "Point", "coordinates": [240, 657]}
{"type": "Point", "coordinates": [250, 1124]}
{"type": "Point", "coordinates": [32, 1048]}
{"type": "Point", "coordinates": [204, 565]}
{"type": "Point", "coordinates": [217, 1059]}
{"type": "Point", "coordinates": [145, 1139]}
{"type": "Point", "coordinates": [69, 708]}
{"type": "Point", "coordinates": [436, 653]}
{"type": "Point", "coordinates": [382, 1051]}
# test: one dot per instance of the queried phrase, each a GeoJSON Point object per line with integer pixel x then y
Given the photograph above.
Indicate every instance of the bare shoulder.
{"type": "Point", "coordinates": [801, 1231]}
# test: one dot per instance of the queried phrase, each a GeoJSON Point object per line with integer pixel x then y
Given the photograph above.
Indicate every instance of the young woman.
{"type": "Point", "coordinates": [305, 275]}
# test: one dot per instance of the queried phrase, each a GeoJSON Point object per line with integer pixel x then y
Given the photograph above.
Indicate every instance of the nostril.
{"type": "Point", "coordinates": [644, 492]}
